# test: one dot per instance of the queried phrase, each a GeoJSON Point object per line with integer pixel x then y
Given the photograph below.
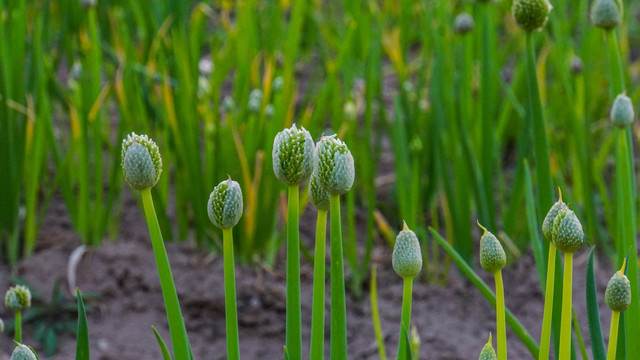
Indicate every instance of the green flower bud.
{"type": "Point", "coordinates": [17, 298]}
{"type": "Point", "coordinates": [407, 257]}
{"type": "Point", "coordinates": [606, 14]}
{"type": "Point", "coordinates": [22, 352]}
{"type": "Point", "coordinates": [318, 196]}
{"type": "Point", "coordinates": [1, 326]}
{"type": "Point", "coordinates": [568, 236]}
{"type": "Point", "coordinates": [487, 352]}
{"type": "Point", "coordinates": [492, 255]}
{"type": "Point", "coordinates": [464, 23]}
{"type": "Point", "coordinates": [255, 100]}
{"type": "Point", "coordinates": [141, 161]}
{"type": "Point", "coordinates": [225, 204]}
{"type": "Point", "coordinates": [622, 111]}
{"type": "Point", "coordinates": [334, 165]}
{"type": "Point", "coordinates": [269, 110]}
{"type": "Point", "coordinates": [278, 82]}
{"type": "Point", "coordinates": [228, 105]}
{"type": "Point", "coordinates": [293, 155]}
{"type": "Point", "coordinates": [531, 14]}
{"type": "Point", "coordinates": [618, 293]}
{"type": "Point", "coordinates": [547, 224]}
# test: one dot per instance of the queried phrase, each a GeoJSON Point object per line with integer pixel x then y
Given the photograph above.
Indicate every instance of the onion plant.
{"type": "Point", "coordinates": [407, 263]}
{"type": "Point", "coordinates": [568, 237]}
{"type": "Point", "coordinates": [488, 353]}
{"type": "Point", "coordinates": [293, 163]}
{"type": "Point", "coordinates": [225, 209]}
{"type": "Point", "coordinates": [335, 168]}
{"type": "Point", "coordinates": [493, 259]}
{"type": "Point", "coordinates": [321, 199]}
{"type": "Point", "coordinates": [17, 299]}
{"type": "Point", "coordinates": [142, 166]}
{"type": "Point", "coordinates": [23, 352]}
{"type": "Point", "coordinates": [618, 298]}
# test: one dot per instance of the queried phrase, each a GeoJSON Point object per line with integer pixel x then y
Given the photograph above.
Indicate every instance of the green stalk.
{"type": "Point", "coordinates": [545, 337]}
{"type": "Point", "coordinates": [294, 322]}
{"type": "Point", "coordinates": [230, 307]}
{"type": "Point", "coordinates": [406, 316]}
{"type": "Point", "coordinates": [615, 62]}
{"type": "Point", "coordinates": [18, 326]}
{"type": "Point", "coordinates": [613, 335]}
{"type": "Point", "coordinates": [540, 144]}
{"type": "Point", "coordinates": [317, 313]}
{"type": "Point", "coordinates": [501, 327]}
{"type": "Point", "coordinates": [375, 314]}
{"type": "Point", "coordinates": [338, 302]}
{"type": "Point", "coordinates": [565, 327]}
{"type": "Point", "coordinates": [177, 329]}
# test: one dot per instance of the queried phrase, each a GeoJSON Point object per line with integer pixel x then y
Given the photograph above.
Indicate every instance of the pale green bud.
{"type": "Point", "coordinates": [622, 113]}
{"type": "Point", "coordinates": [293, 155]}
{"type": "Point", "coordinates": [568, 236]}
{"type": "Point", "coordinates": [606, 14]}
{"type": "Point", "coordinates": [255, 100]}
{"type": "Point", "coordinates": [618, 293]}
{"type": "Point", "coordinates": [407, 257]}
{"type": "Point", "coordinates": [464, 23]}
{"type": "Point", "coordinates": [269, 110]}
{"type": "Point", "coordinates": [492, 255]}
{"type": "Point", "coordinates": [334, 164]}
{"type": "Point", "coordinates": [22, 352]}
{"type": "Point", "coordinates": [278, 82]}
{"type": "Point", "coordinates": [225, 204]}
{"type": "Point", "coordinates": [547, 224]}
{"type": "Point", "coordinates": [318, 196]}
{"type": "Point", "coordinates": [141, 161]}
{"type": "Point", "coordinates": [531, 14]}
{"type": "Point", "coordinates": [487, 352]}
{"type": "Point", "coordinates": [17, 298]}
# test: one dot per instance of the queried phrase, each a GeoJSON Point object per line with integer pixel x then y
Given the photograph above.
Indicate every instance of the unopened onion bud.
{"type": "Point", "coordinates": [547, 224]}
{"type": "Point", "coordinates": [618, 293]}
{"type": "Point", "coordinates": [492, 255]}
{"type": "Point", "coordinates": [293, 155]}
{"type": "Point", "coordinates": [464, 23]}
{"type": "Point", "coordinates": [17, 298]}
{"type": "Point", "coordinates": [531, 14]}
{"type": "Point", "coordinates": [334, 164]}
{"type": "Point", "coordinates": [22, 352]}
{"type": "Point", "coordinates": [622, 113]}
{"type": "Point", "coordinates": [141, 161]}
{"type": "Point", "coordinates": [225, 204]}
{"type": "Point", "coordinates": [606, 14]}
{"type": "Point", "coordinates": [487, 352]}
{"type": "Point", "coordinates": [568, 236]}
{"type": "Point", "coordinates": [407, 257]}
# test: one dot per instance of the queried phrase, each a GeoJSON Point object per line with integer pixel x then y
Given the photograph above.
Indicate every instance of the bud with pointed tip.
{"type": "Point", "coordinates": [293, 155]}
{"type": "Point", "coordinates": [225, 204]}
{"type": "Point", "coordinates": [492, 255]}
{"type": "Point", "coordinates": [622, 111]}
{"type": "Point", "coordinates": [568, 236]}
{"type": "Point", "coordinates": [487, 352]}
{"type": "Point", "coordinates": [618, 293]}
{"type": "Point", "coordinates": [334, 164]}
{"type": "Point", "coordinates": [407, 257]}
{"type": "Point", "coordinates": [606, 14]}
{"type": "Point", "coordinates": [547, 224]}
{"type": "Point", "coordinates": [464, 23]}
{"type": "Point", "coordinates": [22, 352]}
{"type": "Point", "coordinates": [17, 298]}
{"type": "Point", "coordinates": [531, 14]}
{"type": "Point", "coordinates": [318, 196]}
{"type": "Point", "coordinates": [141, 161]}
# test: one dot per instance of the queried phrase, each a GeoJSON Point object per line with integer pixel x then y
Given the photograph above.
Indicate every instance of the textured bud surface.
{"type": "Point", "coordinates": [531, 14]}
{"type": "Point", "coordinates": [622, 111]}
{"type": "Point", "coordinates": [293, 155]}
{"type": "Point", "coordinates": [22, 352]}
{"type": "Point", "coordinates": [487, 352]}
{"type": "Point", "coordinates": [606, 14]}
{"type": "Point", "coordinates": [141, 161]}
{"type": "Point", "coordinates": [407, 257]}
{"type": "Point", "coordinates": [618, 293]}
{"type": "Point", "coordinates": [464, 23]}
{"type": "Point", "coordinates": [547, 224]}
{"type": "Point", "coordinates": [225, 204]}
{"type": "Point", "coordinates": [568, 236]}
{"type": "Point", "coordinates": [492, 255]}
{"type": "Point", "coordinates": [318, 196]}
{"type": "Point", "coordinates": [17, 298]}
{"type": "Point", "coordinates": [334, 165]}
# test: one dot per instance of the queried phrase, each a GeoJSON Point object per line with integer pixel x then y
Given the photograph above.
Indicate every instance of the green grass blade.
{"type": "Point", "coordinates": [375, 314]}
{"type": "Point", "coordinates": [593, 312]}
{"type": "Point", "coordinates": [163, 347]}
{"type": "Point", "coordinates": [82, 339]}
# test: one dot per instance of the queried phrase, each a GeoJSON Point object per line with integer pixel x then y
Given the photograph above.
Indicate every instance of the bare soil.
{"type": "Point", "coordinates": [453, 321]}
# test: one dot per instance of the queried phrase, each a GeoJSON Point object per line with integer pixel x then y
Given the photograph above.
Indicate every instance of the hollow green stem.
{"type": "Point", "coordinates": [615, 62]}
{"type": "Point", "coordinates": [545, 336]}
{"type": "Point", "coordinates": [613, 335]}
{"type": "Point", "coordinates": [375, 314]}
{"type": "Point", "coordinates": [317, 313]}
{"type": "Point", "coordinates": [230, 307]}
{"type": "Point", "coordinates": [501, 326]}
{"type": "Point", "coordinates": [540, 144]}
{"type": "Point", "coordinates": [565, 325]}
{"type": "Point", "coordinates": [294, 322]}
{"type": "Point", "coordinates": [406, 317]}
{"type": "Point", "coordinates": [174, 314]}
{"type": "Point", "coordinates": [338, 302]}
{"type": "Point", "coordinates": [18, 326]}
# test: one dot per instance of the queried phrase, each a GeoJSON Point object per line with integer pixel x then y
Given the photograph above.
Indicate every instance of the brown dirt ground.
{"type": "Point", "coordinates": [453, 321]}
